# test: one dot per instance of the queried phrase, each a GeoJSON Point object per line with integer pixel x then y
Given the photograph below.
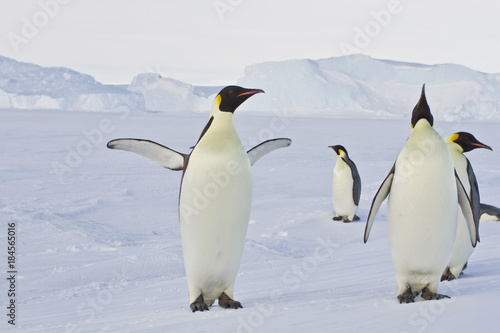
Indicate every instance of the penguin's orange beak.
{"type": "Point", "coordinates": [480, 145]}
{"type": "Point", "coordinates": [251, 92]}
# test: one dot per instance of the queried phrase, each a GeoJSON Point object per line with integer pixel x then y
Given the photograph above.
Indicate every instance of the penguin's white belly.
{"type": "Point", "coordinates": [342, 187]}
{"type": "Point", "coordinates": [214, 208]}
{"type": "Point", "coordinates": [422, 212]}
{"type": "Point", "coordinates": [462, 249]}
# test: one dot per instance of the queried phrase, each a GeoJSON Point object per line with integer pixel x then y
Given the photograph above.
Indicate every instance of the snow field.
{"type": "Point", "coordinates": [99, 243]}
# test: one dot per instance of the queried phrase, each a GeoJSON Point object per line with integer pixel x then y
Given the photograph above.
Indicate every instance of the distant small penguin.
{"type": "Point", "coordinates": [346, 186]}
{"type": "Point", "coordinates": [422, 209]}
{"type": "Point", "coordinates": [458, 144]}
{"type": "Point", "coordinates": [489, 213]}
{"type": "Point", "coordinates": [214, 200]}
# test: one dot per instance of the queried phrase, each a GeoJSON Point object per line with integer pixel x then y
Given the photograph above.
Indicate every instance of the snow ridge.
{"type": "Point", "coordinates": [357, 83]}
{"type": "Point", "coordinates": [350, 87]}
{"type": "Point", "coordinates": [28, 86]}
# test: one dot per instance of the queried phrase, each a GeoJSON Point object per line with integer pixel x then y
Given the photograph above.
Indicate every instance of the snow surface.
{"type": "Point", "coordinates": [99, 247]}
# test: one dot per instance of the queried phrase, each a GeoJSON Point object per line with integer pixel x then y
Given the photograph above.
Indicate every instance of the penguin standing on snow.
{"type": "Point", "coordinates": [346, 187]}
{"type": "Point", "coordinates": [422, 209]}
{"type": "Point", "coordinates": [214, 200]}
{"type": "Point", "coordinates": [459, 143]}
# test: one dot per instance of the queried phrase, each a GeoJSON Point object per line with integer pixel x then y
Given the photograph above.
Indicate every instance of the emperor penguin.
{"type": "Point", "coordinates": [346, 186]}
{"type": "Point", "coordinates": [489, 213]}
{"type": "Point", "coordinates": [214, 200]}
{"type": "Point", "coordinates": [424, 191]}
{"type": "Point", "coordinates": [458, 144]}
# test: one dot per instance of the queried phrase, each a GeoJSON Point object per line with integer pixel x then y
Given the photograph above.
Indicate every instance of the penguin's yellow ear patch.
{"type": "Point", "coordinates": [452, 137]}
{"type": "Point", "coordinates": [219, 99]}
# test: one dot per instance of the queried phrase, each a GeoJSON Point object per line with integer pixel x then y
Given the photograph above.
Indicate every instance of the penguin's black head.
{"type": "Point", "coordinates": [421, 111]}
{"type": "Point", "coordinates": [467, 141]}
{"type": "Point", "coordinates": [338, 149]}
{"type": "Point", "coordinates": [233, 96]}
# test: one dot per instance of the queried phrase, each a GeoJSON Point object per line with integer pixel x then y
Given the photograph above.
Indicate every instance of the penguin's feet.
{"type": "Point", "coordinates": [356, 218]}
{"type": "Point", "coordinates": [447, 275]}
{"type": "Point", "coordinates": [227, 303]}
{"type": "Point", "coordinates": [407, 297]}
{"type": "Point", "coordinates": [337, 218]}
{"type": "Point", "coordinates": [198, 304]}
{"type": "Point", "coordinates": [346, 220]}
{"type": "Point", "coordinates": [428, 295]}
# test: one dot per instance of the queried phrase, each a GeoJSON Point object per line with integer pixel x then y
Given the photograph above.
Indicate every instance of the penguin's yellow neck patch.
{"type": "Point", "coordinates": [452, 145]}
{"type": "Point", "coordinates": [215, 106]}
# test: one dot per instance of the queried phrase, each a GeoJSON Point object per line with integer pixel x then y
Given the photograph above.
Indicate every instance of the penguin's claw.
{"type": "Point", "coordinates": [428, 295]}
{"type": "Point", "coordinates": [227, 303]}
{"type": "Point", "coordinates": [447, 275]}
{"type": "Point", "coordinates": [230, 304]}
{"type": "Point", "coordinates": [199, 305]}
{"type": "Point", "coordinates": [345, 219]}
{"type": "Point", "coordinates": [407, 297]}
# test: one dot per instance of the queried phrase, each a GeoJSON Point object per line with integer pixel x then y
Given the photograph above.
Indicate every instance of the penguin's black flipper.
{"type": "Point", "coordinates": [474, 196]}
{"type": "Point", "coordinates": [266, 147]}
{"type": "Point", "coordinates": [382, 193]}
{"type": "Point", "coordinates": [356, 190]}
{"type": "Point", "coordinates": [467, 210]}
{"type": "Point", "coordinates": [161, 155]}
{"type": "Point", "coordinates": [492, 211]}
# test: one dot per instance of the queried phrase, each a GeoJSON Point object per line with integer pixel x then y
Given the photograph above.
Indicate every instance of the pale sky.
{"type": "Point", "coordinates": [212, 41]}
